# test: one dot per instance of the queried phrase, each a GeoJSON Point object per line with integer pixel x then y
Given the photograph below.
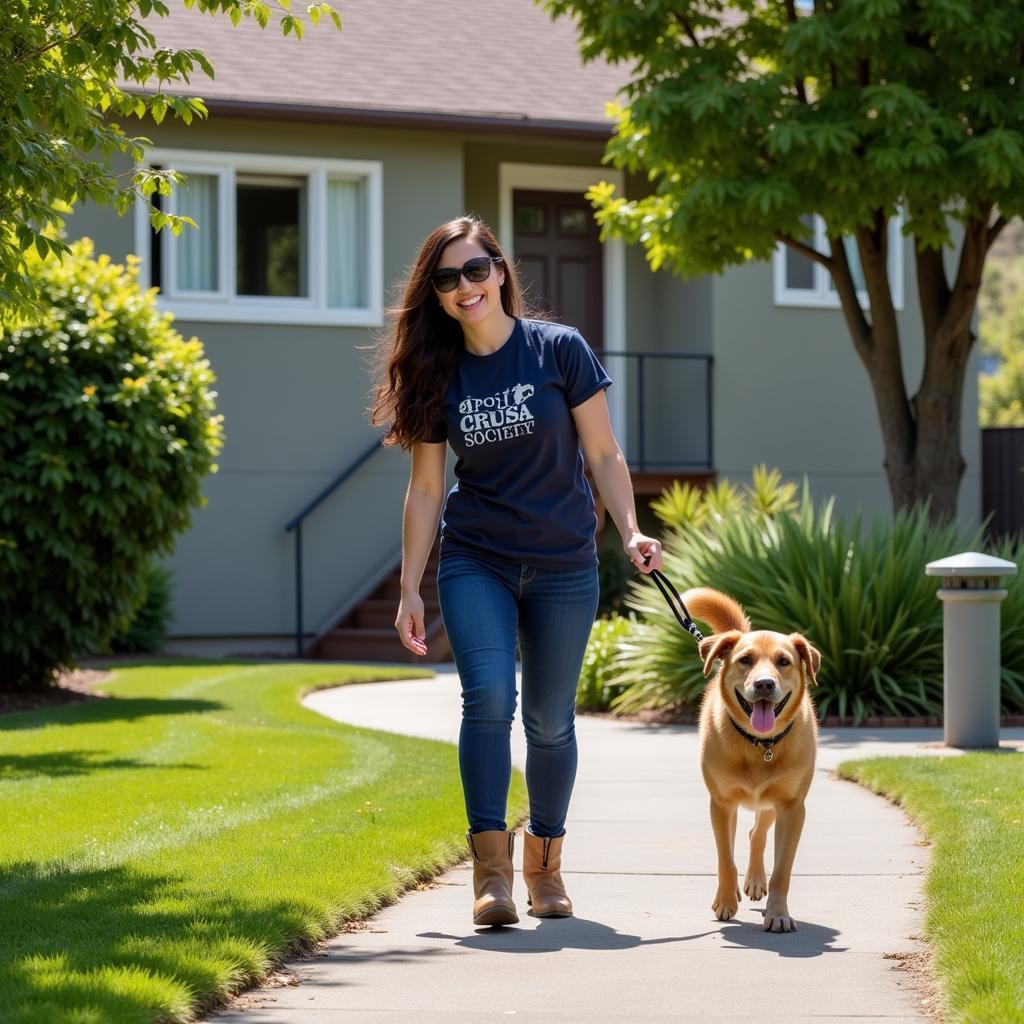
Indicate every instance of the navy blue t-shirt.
{"type": "Point", "coordinates": [521, 492]}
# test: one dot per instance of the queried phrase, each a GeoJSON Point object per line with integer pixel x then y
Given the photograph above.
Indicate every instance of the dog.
{"type": "Point", "coordinates": [758, 737]}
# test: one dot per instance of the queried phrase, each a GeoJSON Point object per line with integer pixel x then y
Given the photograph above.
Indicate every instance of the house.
{"type": "Point", "coordinates": [322, 167]}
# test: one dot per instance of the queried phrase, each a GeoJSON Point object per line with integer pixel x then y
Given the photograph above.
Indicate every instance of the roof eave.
{"type": "Point", "coordinates": [507, 124]}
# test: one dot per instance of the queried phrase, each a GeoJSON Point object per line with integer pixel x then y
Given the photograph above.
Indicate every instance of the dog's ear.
{"type": "Point", "coordinates": [717, 646]}
{"type": "Point", "coordinates": [810, 656]}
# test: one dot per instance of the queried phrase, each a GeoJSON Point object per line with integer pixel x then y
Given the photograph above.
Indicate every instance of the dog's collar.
{"type": "Point", "coordinates": [763, 741]}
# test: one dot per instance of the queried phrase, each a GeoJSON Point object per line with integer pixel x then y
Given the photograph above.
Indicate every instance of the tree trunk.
{"type": "Point", "coordinates": [924, 464]}
{"type": "Point", "coordinates": [921, 435]}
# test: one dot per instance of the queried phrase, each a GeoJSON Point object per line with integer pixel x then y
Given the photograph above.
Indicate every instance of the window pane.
{"type": "Point", "coordinates": [271, 236]}
{"type": "Point", "coordinates": [530, 219]}
{"type": "Point", "coordinates": [156, 250]}
{"type": "Point", "coordinates": [573, 221]}
{"type": "Point", "coordinates": [346, 245]}
{"type": "Point", "coordinates": [799, 269]}
{"type": "Point", "coordinates": [196, 260]}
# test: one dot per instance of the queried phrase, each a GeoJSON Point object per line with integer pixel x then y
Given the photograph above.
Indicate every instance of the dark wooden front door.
{"type": "Point", "coordinates": [559, 258]}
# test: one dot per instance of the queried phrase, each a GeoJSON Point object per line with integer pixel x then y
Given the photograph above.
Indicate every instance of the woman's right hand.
{"type": "Point", "coordinates": [410, 624]}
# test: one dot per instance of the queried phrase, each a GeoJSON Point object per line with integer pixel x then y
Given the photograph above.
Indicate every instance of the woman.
{"type": "Point", "coordinates": [516, 399]}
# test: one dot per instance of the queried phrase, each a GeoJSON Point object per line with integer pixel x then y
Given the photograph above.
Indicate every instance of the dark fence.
{"type": "Point", "coordinates": [1002, 479]}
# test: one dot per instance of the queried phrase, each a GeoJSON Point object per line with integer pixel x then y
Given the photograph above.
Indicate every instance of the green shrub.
{"type": "Point", "coordinates": [146, 630]}
{"type": "Point", "coordinates": [599, 683]}
{"type": "Point", "coordinates": [107, 427]}
{"type": "Point", "coordinates": [858, 592]}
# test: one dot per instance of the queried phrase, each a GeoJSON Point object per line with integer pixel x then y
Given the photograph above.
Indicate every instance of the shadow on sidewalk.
{"type": "Point", "coordinates": [807, 941]}
{"type": "Point", "coordinates": [578, 933]}
{"type": "Point", "coordinates": [551, 935]}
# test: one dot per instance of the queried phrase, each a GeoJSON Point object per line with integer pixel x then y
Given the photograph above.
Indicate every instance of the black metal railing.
{"type": "Point", "coordinates": [676, 407]}
{"type": "Point", "coordinates": [295, 524]}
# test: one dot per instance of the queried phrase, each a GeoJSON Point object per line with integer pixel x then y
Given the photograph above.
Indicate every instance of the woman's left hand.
{"type": "Point", "coordinates": [644, 552]}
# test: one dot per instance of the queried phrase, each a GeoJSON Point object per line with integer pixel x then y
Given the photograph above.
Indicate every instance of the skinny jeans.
{"type": "Point", "coordinates": [487, 604]}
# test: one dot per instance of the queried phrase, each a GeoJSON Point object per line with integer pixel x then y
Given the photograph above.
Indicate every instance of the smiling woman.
{"type": "Point", "coordinates": [521, 402]}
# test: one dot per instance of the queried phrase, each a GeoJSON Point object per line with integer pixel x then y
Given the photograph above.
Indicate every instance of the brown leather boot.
{"type": "Point", "coordinates": [492, 877]}
{"type": "Point", "coordinates": [542, 862]}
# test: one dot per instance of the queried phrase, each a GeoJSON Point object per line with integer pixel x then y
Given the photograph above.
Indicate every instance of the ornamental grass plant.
{"type": "Point", "coordinates": [857, 590]}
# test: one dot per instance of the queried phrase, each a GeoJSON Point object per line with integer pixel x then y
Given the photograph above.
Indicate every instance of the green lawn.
{"type": "Point", "coordinates": [162, 849]}
{"type": "Point", "coordinates": [971, 809]}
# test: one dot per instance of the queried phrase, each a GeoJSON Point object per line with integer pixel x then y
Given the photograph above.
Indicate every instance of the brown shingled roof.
{"type": "Point", "coordinates": [474, 62]}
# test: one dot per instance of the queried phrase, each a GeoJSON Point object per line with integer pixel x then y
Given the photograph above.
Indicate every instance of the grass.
{"type": "Point", "coordinates": [971, 809]}
{"type": "Point", "coordinates": [164, 849]}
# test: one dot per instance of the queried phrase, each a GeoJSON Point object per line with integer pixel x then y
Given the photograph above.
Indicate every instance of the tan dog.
{"type": "Point", "coordinates": [758, 736]}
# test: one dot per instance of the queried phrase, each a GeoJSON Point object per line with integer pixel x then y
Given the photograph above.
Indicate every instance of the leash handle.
{"type": "Point", "coordinates": [671, 595]}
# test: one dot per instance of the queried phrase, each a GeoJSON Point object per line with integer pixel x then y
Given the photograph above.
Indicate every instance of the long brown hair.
{"type": "Point", "coordinates": [416, 359]}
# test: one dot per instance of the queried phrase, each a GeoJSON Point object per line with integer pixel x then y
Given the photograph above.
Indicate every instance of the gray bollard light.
{"type": "Point", "coordinates": [970, 595]}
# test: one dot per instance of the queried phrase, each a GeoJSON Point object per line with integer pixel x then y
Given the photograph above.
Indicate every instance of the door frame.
{"type": "Point", "coordinates": [577, 180]}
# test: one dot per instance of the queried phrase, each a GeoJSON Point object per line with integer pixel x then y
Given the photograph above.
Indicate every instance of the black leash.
{"type": "Point", "coordinates": [671, 595]}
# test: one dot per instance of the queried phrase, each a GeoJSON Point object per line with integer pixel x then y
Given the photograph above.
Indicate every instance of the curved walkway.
{"type": "Point", "coordinates": [639, 864]}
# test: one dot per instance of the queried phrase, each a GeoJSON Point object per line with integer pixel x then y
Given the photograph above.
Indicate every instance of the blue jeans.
{"type": "Point", "coordinates": [486, 603]}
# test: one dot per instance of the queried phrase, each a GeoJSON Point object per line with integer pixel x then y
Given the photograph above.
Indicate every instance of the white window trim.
{"type": "Point", "coordinates": [578, 180]}
{"type": "Point", "coordinates": [223, 306]}
{"type": "Point", "coordinates": [824, 297]}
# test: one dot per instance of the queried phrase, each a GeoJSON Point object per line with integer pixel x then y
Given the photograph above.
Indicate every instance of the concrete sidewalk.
{"type": "Point", "coordinates": [639, 863]}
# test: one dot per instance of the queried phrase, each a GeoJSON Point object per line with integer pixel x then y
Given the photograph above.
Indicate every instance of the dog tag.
{"type": "Point", "coordinates": [768, 755]}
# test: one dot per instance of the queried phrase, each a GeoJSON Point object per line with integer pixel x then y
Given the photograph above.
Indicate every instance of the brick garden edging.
{"type": "Point", "coordinates": [896, 722]}
{"type": "Point", "coordinates": [667, 716]}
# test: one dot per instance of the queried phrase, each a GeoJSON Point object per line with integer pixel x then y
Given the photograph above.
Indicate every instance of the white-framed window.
{"type": "Point", "coordinates": [280, 239]}
{"type": "Point", "coordinates": [800, 281]}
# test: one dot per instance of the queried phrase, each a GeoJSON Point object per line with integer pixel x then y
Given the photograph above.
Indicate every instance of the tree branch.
{"type": "Point", "coordinates": [873, 249]}
{"type": "Point", "coordinates": [885, 368]}
{"type": "Point", "coordinates": [856, 322]}
{"type": "Point", "coordinates": [801, 87]}
{"type": "Point", "coordinates": [932, 288]}
{"type": "Point", "coordinates": [687, 27]}
{"type": "Point", "coordinates": [955, 326]}
{"type": "Point", "coordinates": [33, 54]}
{"type": "Point", "coordinates": [994, 229]}
{"type": "Point", "coordinates": [804, 249]}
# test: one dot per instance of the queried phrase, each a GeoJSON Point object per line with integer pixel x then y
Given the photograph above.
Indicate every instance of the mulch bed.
{"type": "Point", "coordinates": [677, 716]}
{"type": "Point", "coordinates": [70, 688]}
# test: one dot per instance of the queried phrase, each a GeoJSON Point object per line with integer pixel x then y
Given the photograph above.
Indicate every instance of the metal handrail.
{"type": "Point", "coordinates": [295, 523]}
{"type": "Point", "coordinates": [640, 357]}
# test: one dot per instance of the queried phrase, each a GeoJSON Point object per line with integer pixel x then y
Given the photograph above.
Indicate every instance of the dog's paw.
{"type": "Point", "coordinates": [778, 921]}
{"type": "Point", "coordinates": [755, 885]}
{"type": "Point", "coordinates": [726, 904]}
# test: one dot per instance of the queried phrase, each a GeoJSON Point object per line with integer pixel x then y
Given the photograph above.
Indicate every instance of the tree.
{"type": "Point", "coordinates": [747, 115]}
{"type": "Point", "coordinates": [1001, 331]}
{"type": "Point", "coordinates": [69, 69]}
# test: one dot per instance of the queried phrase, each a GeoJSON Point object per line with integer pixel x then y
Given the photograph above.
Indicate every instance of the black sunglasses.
{"type": "Point", "coordinates": [475, 270]}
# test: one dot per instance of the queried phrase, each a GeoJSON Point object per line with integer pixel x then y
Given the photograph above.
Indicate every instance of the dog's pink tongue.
{"type": "Point", "coordinates": [762, 718]}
